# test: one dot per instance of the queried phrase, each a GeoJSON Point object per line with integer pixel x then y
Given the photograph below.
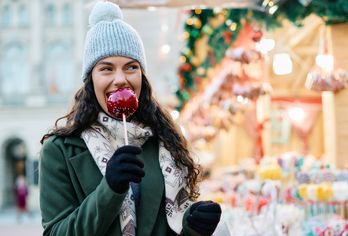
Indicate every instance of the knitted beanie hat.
{"type": "Point", "coordinates": [109, 36]}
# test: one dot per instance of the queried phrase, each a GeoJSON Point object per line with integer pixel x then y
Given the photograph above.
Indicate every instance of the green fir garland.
{"type": "Point", "coordinates": [223, 36]}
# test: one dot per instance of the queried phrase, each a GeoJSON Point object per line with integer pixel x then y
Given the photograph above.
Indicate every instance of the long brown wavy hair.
{"type": "Point", "coordinates": [150, 113]}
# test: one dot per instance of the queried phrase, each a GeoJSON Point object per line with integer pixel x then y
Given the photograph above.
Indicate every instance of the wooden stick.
{"type": "Point", "coordinates": [125, 129]}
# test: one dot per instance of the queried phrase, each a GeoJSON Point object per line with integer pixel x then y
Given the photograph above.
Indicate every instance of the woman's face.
{"type": "Point", "coordinates": [112, 73]}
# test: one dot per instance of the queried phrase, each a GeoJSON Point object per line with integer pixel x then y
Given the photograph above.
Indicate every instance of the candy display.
{"type": "Point", "coordinates": [290, 194]}
{"type": "Point", "coordinates": [319, 80]}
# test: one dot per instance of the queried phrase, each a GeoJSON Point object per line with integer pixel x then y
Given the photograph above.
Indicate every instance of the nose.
{"type": "Point", "coordinates": [119, 79]}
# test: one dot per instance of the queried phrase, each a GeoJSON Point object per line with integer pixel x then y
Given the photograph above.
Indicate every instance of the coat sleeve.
{"type": "Point", "coordinates": [62, 214]}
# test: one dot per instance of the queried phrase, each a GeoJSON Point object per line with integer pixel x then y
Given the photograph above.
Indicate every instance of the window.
{"type": "Point", "coordinates": [6, 17]}
{"type": "Point", "coordinates": [23, 16]}
{"type": "Point", "coordinates": [67, 14]}
{"type": "Point", "coordinates": [59, 69]}
{"type": "Point", "coordinates": [51, 15]}
{"type": "Point", "coordinates": [14, 71]}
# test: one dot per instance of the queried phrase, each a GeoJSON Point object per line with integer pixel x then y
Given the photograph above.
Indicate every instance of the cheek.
{"type": "Point", "coordinates": [138, 90]}
{"type": "Point", "coordinates": [137, 85]}
{"type": "Point", "coordinates": [100, 94]}
{"type": "Point", "coordinates": [101, 99]}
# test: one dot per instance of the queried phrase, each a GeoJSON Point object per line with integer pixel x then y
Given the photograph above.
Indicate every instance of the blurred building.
{"type": "Point", "coordinates": [41, 46]}
{"type": "Point", "coordinates": [41, 43]}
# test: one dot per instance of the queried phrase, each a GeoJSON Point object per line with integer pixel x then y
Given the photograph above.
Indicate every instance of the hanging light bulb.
{"type": "Point", "coordinates": [325, 62]}
{"type": "Point", "coordinates": [271, 6]}
{"type": "Point", "coordinates": [282, 64]}
{"type": "Point", "coordinates": [265, 45]}
{"type": "Point", "coordinates": [165, 49]}
{"type": "Point", "coordinates": [296, 114]}
{"type": "Point", "coordinates": [273, 9]}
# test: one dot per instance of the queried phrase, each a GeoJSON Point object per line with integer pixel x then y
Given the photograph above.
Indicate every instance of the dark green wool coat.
{"type": "Point", "coordinates": [75, 198]}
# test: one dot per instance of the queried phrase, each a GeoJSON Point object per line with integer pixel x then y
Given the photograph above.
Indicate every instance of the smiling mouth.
{"type": "Point", "coordinates": [119, 90]}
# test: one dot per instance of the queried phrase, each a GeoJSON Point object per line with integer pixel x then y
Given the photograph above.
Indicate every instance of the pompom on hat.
{"type": "Point", "coordinates": [110, 36]}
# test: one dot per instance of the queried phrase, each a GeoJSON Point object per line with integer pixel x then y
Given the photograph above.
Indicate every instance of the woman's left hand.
{"type": "Point", "coordinates": [204, 217]}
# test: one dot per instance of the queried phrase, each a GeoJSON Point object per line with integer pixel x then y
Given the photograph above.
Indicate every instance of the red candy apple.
{"type": "Point", "coordinates": [122, 101]}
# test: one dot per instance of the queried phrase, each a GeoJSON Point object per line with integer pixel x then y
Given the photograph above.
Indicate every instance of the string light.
{"type": "Point", "coordinates": [197, 23]}
{"type": "Point", "coordinates": [228, 22]}
{"type": "Point", "coordinates": [271, 6]}
{"type": "Point", "coordinates": [272, 10]}
{"type": "Point", "coordinates": [265, 3]}
{"type": "Point", "coordinates": [233, 26]}
{"type": "Point", "coordinates": [198, 11]}
{"type": "Point", "coordinates": [189, 21]}
{"type": "Point", "coordinates": [165, 49]}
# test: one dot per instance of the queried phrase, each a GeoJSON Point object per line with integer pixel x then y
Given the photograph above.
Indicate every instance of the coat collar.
{"type": "Point", "coordinates": [75, 141]}
{"type": "Point", "coordinates": [86, 170]}
{"type": "Point", "coordinates": [84, 166]}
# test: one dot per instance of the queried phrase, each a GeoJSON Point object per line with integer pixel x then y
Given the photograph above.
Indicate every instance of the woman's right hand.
{"type": "Point", "coordinates": [124, 167]}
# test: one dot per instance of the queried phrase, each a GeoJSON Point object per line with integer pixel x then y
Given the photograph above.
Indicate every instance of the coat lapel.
{"type": "Point", "coordinates": [84, 166]}
{"type": "Point", "coordinates": [151, 187]}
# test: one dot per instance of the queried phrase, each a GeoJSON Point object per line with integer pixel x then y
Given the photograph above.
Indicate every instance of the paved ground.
{"type": "Point", "coordinates": [30, 224]}
{"type": "Point", "coordinates": [26, 225]}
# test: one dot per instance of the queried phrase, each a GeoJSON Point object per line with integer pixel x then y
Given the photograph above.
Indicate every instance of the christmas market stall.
{"type": "Point", "coordinates": [262, 101]}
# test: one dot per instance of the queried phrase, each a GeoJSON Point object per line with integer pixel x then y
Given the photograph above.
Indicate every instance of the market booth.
{"type": "Point", "coordinates": [263, 102]}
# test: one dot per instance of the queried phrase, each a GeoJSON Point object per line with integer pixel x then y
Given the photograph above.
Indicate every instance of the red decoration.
{"type": "Point", "coordinates": [227, 37]}
{"type": "Point", "coordinates": [186, 67]}
{"type": "Point", "coordinates": [181, 82]}
{"type": "Point", "coordinates": [122, 101]}
{"type": "Point", "coordinates": [256, 35]}
{"type": "Point", "coordinates": [259, 140]}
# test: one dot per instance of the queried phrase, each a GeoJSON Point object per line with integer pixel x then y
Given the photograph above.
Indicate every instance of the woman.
{"type": "Point", "coordinates": [93, 184]}
{"type": "Point", "coordinates": [21, 191]}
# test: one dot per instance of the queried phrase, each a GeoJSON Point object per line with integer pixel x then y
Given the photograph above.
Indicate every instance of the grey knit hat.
{"type": "Point", "coordinates": [109, 36]}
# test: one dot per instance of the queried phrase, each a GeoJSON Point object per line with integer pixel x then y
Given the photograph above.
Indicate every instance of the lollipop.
{"type": "Point", "coordinates": [121, 104]}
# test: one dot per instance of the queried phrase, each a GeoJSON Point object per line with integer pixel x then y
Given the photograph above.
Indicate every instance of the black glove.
{"type": "Point", "coordinates": [124, 167]}
{"type": "Point", "coordinates": [204, 217]}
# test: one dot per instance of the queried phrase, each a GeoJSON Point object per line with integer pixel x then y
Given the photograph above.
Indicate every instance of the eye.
{"type": "Point", "coordinates": [105, 68]}
{"type": "Point", "coordinates": [132, 67]}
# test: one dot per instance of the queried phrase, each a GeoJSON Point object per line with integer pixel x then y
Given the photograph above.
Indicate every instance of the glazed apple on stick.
{"type": "Point", "coordinates": [122, 103]}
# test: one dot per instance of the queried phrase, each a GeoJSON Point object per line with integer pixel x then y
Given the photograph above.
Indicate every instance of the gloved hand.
{"type": "Point", "coordinates": [124, 167]}
{"type": "Point", "coordinates": [204, 217]}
